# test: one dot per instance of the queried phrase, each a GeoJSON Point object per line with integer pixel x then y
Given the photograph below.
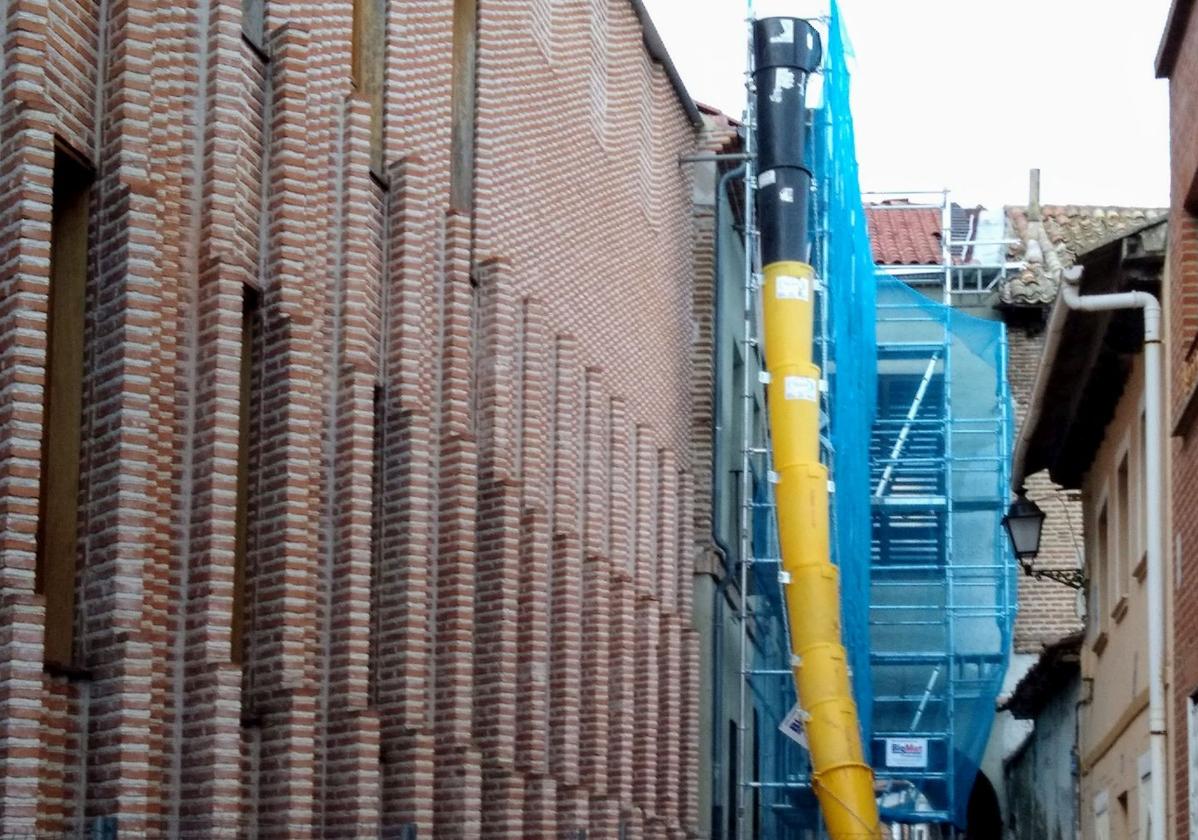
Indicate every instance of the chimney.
{"type": "Point", "coordinates": [1033, 201]}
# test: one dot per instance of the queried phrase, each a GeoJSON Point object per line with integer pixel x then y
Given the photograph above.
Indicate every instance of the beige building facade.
{"type": "Point", "coordinates": [1115, 776]}
{"type": "Point", "coordinates": [1090, 437]}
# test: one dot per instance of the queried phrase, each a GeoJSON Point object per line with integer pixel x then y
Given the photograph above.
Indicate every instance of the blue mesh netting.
{"type": "Point", "coordinates": [927, 581]}
{"type": "Point", "coordinates": [942, 580]}
{"type": "Point", "coordinates": [843, 258]}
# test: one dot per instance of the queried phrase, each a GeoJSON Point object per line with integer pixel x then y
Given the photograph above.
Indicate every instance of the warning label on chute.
{"type": "Point", "coordinates": [792, 288]}
{"type": "Point", "coordinates": [793, 726]}
{"type": "Point", "coordinates": [786, 34]}
{"type": "Point", "coordinates": [784, 79]}
{"type": "Point", "coordinates": [767, 178]}
{"type": "Point", "coordinates": [800, 388]}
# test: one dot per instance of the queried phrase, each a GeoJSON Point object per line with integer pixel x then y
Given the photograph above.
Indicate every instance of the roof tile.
{"type": "Point", "coordinates": [1051, 244]}
{"type": "Point", "coordinates": [904, 235]}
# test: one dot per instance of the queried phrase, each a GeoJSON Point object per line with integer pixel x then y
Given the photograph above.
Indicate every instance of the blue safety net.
{"type": "Point", "coordinates": [916, 434]}
{"type": "Point", "coordinates": [846, 343]}
{"type": "Point", "coordinates": [942, 582]}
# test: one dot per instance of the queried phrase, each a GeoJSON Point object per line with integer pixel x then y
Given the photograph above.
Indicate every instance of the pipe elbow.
{"type": "Point", "coordinates": [1152, 317]}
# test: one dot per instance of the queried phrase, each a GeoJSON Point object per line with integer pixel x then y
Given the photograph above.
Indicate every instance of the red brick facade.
{"type": "Point", "coordinates": [1178, 61]}
{"type": "Point", "coordinates": [1180, 64]}
{"type": "Point", "coordinates": [471, 496]}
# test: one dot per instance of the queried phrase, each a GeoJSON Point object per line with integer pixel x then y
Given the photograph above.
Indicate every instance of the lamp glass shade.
{"type": "Point", "coordinates": [1024, 522]}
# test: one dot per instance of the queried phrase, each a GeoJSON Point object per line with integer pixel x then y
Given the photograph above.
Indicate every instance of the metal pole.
{"type": "Point", "coordinates": [715, 157]}
{"type": "Point", "coordinates": [746, 432]}
{"type": "Point", "coordinates": [946, 246]}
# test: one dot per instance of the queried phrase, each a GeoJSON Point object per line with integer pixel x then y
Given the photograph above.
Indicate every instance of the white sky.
{"type": "Point", "coordinates": [971, 94]}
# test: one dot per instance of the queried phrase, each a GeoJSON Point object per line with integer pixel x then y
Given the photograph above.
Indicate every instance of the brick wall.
{"type": "Point", "coordinates": [472, 502]}
{"type": "Point", "coordinates": [1047, 610]}
{"type": "Point", "coordinates": [1182, 323]}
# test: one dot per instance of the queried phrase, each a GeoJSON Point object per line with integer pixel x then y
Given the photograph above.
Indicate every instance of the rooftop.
{"type": "Point", "coordinates": [1048, 238]}
{"type": "Point", "coordinates": [1051, 239]}
{"type": "Point", "coordinates": [904, 234]}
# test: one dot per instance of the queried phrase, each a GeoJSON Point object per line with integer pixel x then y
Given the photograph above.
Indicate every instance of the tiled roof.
{"type": "Point", "coordinates": [1051, 244]}
{"type": "Point", "coordinates": [900, 235]}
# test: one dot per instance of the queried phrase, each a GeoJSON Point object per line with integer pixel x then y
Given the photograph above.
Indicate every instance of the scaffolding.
{"type": "Point", "coordinates": [973, 249]}
{"type": "Point", "coordinates": [942, 583]}
{"type": "Point", "coordinates": [915, 431]}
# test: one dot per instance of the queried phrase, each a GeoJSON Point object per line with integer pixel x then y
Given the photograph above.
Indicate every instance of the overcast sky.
{"type": "Point", "coordinates": [970, 94]}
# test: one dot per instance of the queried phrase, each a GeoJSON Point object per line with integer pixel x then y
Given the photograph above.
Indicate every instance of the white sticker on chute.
{"type": "Point", "coordinates": [767, 178]}
{"type": "Point", "coordinates": [792, 288]}
{"type": "Point", "coordinates": [787, 194]}
{"type": "Point", "coordinates": [787, 35]}
{"type": "Point", "coordinates": [793, 726]}
{"type": "Point", "coordinates": [800, 388]}
{"type": "Point", "coordinates": [784, 79]}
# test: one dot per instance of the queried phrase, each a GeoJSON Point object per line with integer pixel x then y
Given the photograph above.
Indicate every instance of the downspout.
{"type": "Point", "coordinates": [1071, 298]}
{"type": "Point", "coordinates": [717, 538]}
{"type": "Point", "coordinates": [786, 51]}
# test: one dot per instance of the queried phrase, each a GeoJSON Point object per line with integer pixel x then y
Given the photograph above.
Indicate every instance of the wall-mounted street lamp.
{"type": "Point", "coordinates": [1024, 522]}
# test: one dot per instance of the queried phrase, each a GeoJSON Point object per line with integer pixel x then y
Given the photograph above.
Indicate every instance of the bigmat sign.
{"type": "Point", "coordinates": [907, 752]}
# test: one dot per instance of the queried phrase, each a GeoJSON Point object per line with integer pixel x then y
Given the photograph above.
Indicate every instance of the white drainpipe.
{"type": "Point", "coordinates": [1154, 422]}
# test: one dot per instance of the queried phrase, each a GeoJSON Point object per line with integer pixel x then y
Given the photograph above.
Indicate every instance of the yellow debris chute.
{"type": "Point", "coordinates": [785, 51]}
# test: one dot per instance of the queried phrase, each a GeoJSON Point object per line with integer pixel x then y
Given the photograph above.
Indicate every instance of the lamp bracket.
{"type": "Point", "coordinates": [1073, 578]}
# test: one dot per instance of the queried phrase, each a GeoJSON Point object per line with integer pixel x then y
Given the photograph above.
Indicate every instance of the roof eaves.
{"type": "Point", "coordinates": [1057, 660]}
{"type": "Point", "coordinates": [1175, 28]}
{"type": "Point", "coordinates": [659, 53]}
{"type": "Point", "coordinates": [1091, 365]}
{"type": "Point", "coordinates": [1118, 236]}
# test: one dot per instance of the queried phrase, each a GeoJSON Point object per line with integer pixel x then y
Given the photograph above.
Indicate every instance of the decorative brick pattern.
{"type": "Point", "coordinates": [471, 510]}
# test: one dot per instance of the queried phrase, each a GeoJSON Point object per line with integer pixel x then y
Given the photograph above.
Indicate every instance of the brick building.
{"type": "Point", "coordinates": [345, 419]}
{"type": "Point", "coordinates": [1090, 436]}
{"type": "Point", "coordinates": [1177, 60]}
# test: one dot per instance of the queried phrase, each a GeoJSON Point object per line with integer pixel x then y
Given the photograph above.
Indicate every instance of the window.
{"type": "Point", "coordinates": [1100, 580]}
{"type": "Point", "coordinates": [368, 46]}
{"type": "Point", "coordinates": [1119, 561]}
{"type": "Point", "coordinates": [1122, 818]}
{"type": "Point", "coordinates": [253, 21]}
{"type": "Point", "coordinates": [1192, 762]}
{"type": "Point", "coordinates": [462, 105]}
{"type": "Point", "coordinates": [250, 339]}
{"type": "Point", "coordinates": [1144, 795]}
{"type": "Point", "coordinates": [1102, 817]}
{"type": "Point", "coordinates": [1141, 568]}
{"type": "Point", "coordinates": [58, 506]}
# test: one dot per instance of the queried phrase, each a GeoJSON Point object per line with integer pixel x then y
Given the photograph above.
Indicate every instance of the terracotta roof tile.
{"type": "Point", "coordinates": [1051, 244]}
{"type": "Point", "coordinates": [901, 235]}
